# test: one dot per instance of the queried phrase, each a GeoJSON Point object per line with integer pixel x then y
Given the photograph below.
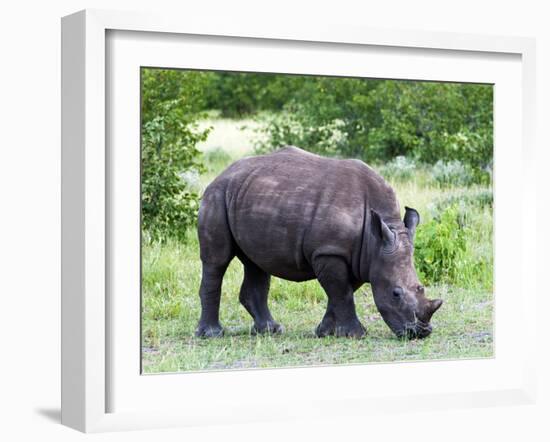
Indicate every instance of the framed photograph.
{"type": "Point", "coordinates": [313, 221]}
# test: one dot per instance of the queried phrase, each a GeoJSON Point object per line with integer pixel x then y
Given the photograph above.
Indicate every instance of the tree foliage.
{"type": "Point", "coordinates": [170, 105]}
{"type": "Point", "coordinates": [397, 123]}
{"type": "Point", "coordinates": [378, 120]}
{"type": "Point", "coordinates": [238, 94]}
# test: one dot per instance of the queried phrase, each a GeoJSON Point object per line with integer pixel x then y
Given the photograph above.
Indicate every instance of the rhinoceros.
{"type": "Point", "coordinates": [300, 216]}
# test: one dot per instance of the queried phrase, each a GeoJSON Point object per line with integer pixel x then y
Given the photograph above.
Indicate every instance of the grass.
{"type": "Point", "coordinates": [463, 327]}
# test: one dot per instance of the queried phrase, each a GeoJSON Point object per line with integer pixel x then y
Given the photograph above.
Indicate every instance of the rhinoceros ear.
{"type": "Point", "coordinates": [411, 220]}
{"type": "Point", "coordinates": [381, 230]}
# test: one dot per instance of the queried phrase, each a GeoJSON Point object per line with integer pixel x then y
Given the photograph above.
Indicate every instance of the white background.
{"type": "Point", "coordinates": [131, 392]}
{"type": "Point", "coordinates": [30, 215]}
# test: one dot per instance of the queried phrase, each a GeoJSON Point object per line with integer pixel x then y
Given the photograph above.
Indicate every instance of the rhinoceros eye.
{"type": "Point", "coordinates": [397, 292]}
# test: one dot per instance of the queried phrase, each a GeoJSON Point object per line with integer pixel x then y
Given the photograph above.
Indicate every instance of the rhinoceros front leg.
{"type": "Point", "coordinates": [340, 318]}
{"type": "Point", "coordinates": [253, 296]}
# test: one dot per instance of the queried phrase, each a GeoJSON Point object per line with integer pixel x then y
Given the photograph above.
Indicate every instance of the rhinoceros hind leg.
{"type": "Point", "coordinates": [210, 294]}
{"type": "Point", "coordinates": [340, 318]}
{"type": "Point", "coordinates": [216, 252]}
{"type": "Point", "coordinates": [253, 296]}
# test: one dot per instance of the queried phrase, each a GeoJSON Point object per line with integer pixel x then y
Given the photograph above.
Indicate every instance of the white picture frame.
{"type": "Point", "coordinates": [87, 209]}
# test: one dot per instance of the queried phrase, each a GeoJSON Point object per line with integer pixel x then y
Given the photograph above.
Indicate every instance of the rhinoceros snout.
{"type": "Point", "coordinates": [417, 330]}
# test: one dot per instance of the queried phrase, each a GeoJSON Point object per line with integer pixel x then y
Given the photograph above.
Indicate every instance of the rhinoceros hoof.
{"type": "Point", "coordinates": [209, 331]}
{"type": "Point", "coordinates": [351, 330]}
{"type": "Point", "coordinates": [270, 327]}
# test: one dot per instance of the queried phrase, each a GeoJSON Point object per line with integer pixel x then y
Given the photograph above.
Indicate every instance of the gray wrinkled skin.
{"type": "Point", "coordinates": [300, 216]}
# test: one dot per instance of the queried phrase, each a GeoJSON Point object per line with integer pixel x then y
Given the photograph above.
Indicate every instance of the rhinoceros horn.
{"type": "Point", "coordinates": [433, 305]}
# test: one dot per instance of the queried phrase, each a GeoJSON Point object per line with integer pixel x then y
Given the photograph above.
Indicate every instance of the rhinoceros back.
{"type": "Point", "coordinates": [284, 208]}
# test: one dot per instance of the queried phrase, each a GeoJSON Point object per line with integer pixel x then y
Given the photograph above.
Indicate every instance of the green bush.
{"type": "Point", "coordinates": [170, 106]}
{"type": "Point", "coordinates": [238, 94]}
{"type": "Point", "coordinates": [471, 147]}
{"type": "Point", "coordinates": [370, 119]}
{"type": "Point", "coordinates": [440, 247]}
{"type": "Point", "coordinates": [282, 129]}
{"type": "Point", "coordinates": [451, 174]}
{"type": "Point", "coordinates": [399, 169]}
{"type": "Point", "coordinates": [447, 247]}
{"type": "Point", "coordinates": [466, 201]}
{"type": "Point", "coordinates": [378, 120]}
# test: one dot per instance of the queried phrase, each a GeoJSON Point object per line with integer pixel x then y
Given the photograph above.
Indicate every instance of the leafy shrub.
{"type": "Point", "coordinates": [191, 178]}
{"type": "Point", "coordinates": [471, 147]}
{"type": "Point", "coordinates": [169, 157]}
{"type": "Point", "coordinates": [284, 129]}
{"type": "Point", "coordinates": [382, 119]}
{"type": "Point", "coordinates": [373, 120]}
{"type": "Point", "coordinates": [465, 201]}
{"type": "Point", "coordinates": [451, 174]}
{"type": "Point", "coordinates": [399, 169]}
{"type": "Point", "coordinates": [237, 94]}
{"type": "Point", "coordinates": [440, 247]}
{"type": "Point", "coordinates": [444, 248]}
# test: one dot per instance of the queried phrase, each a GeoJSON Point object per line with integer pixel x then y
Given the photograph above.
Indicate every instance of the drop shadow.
{"type": "Point", "coordinates": [51, 414]}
